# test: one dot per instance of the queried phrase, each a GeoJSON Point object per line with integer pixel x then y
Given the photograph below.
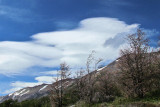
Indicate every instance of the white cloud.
{"type": "Point", "coordinates": [18, 14]}
{"type": "Point", "coordinates": [45, 79]}
{"type": "Point", "coordinates": [25, 84]}
{"type": "Point", "coordinates": [53, 72]}
{"type": "Point", "coordinates": [73, 46]}
{"type": "Point", "coordinates": [151, 32]}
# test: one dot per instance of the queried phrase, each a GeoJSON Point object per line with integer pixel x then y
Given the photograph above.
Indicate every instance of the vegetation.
{"type": "Point", "coordinates": [42, 102]}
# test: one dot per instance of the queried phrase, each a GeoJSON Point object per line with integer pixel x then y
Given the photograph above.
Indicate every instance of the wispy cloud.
{"type": "Point", "coordinates": [53, 72]}
{"type": "Point", "coordinates": [116, 2]}
{"type": "Point", "coordinates": [19, 14]}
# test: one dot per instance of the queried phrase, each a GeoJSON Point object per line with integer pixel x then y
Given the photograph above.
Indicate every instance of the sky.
{"type": "Point", "coordinates": [37, 35]}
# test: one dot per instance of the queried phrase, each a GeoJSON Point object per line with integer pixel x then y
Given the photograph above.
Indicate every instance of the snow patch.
{"type": "Point", "coordinates": [10, 94]}
{"type": "Point", "coordinates": [43, 88]}
{"type": "Point", "coordinates": [100, 69]}
{"type": "Point", "coordinates": [18, 93]}
{"type": "Point", "coordinates": [24, 93]}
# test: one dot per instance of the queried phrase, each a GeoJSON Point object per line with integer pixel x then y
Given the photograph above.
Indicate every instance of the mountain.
{"type": "Point", "coordinates": [32, 92]}
{"type": "Point", "coordinates": [28, 93]}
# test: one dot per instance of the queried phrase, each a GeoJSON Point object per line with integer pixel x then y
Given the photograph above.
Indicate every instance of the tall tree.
{"type": "Point", "coordinates": [91, 65]}
{"type": "Point", "coordinates": [80, 83]}
{"type": "Point", "coordinates": [58, 87]}
{"type": "Point", "coordinates": [136, 65]}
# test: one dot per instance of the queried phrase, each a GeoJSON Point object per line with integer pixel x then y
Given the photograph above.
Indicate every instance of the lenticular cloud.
{"type": "Point", "coordinates": [49, 49]}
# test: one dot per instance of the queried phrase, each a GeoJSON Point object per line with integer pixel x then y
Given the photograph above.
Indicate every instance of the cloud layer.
{"type": "Point", "coordinates": [73, 46]}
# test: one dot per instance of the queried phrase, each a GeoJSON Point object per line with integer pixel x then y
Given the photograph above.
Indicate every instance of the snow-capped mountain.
{"type": "Point", "coordinates": [28, 93]}
{"type": "Point", "coordinates": [32, 92]}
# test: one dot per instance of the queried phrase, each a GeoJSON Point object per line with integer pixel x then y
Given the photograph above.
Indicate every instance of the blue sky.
{"type": "Point", "coordinates": [37, 35]}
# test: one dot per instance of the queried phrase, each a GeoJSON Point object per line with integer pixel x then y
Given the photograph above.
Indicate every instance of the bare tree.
{"type": "Point", "coordinates": [136, 66]}
{"type": "Point", "coordinates": [80, 83]}
{"type": "Point", "coordinates": [90, 78]}
{"type": "Point", "coordinates": [107, 86]}
{"type": "Point", "coordinates": [55, 97]}
{"type": "Point", "coordinates": [157, 66]}
{"type": "Point", "coordinates": [58, 87]}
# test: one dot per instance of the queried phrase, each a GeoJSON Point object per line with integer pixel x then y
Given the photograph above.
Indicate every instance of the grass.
{"type": "Point", "coordinates": [123, 102]}
{"type": "Point", "coordinates": [152, 99]}
{"type": "Point", "coordinates": [145, 102]}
